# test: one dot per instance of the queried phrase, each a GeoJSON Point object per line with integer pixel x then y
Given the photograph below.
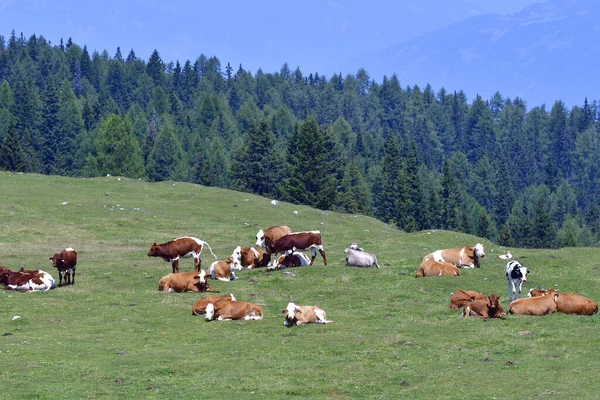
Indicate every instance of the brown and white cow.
{"type": "Point", "coordinates": [568, 303]}
{"type": "Point", "coordinates": [461, 298]}
{"type": "Point", "coordinates": [290, 260]}
{"type": "Point", "coordinates": [199, 306]}
{"type": "Point", "coordinates": [299, 241]}
{"type": "Point", "coordinates": [228, 310]}
{"type": "Point", "coordinates": [300, 315]}
{"type": "Point", "coordinates": [436, 268]}
{"type": "Point", "coordinates": [250, 257]}
{"type": "Point", "coordinates": [533, 305]}
{"type": "Point", "coordinates": [223, 269]}
{"type": "Point", "coordinates": [65, 262]}
{"type": "Point", "coordinates": [181, 247]}
{"type": "Point", "coordinates": [265, 238]}
{"type": "Point", "coordinates": [484, 308]}
{"type": "Point", "coordinates": [26, 280]}
{"type": "Point", "coordinates": [185, 282]}
{"type": "Point", "coordinates": [467, 257]}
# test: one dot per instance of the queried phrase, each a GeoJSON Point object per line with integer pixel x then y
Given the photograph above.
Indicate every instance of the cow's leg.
{"type": "Point", "coordinates": [73, 278]}
{"type": "Point", "coordinates": [321, 317]}
{"type": "Point", "coordinates": [68, 277]}
{"type": "Point", "coordinates": [509, 293]}
{"type": "Point", "coordinates": [197, 263]}
{"type": "Point", "coordinates": [224, 317]}
{"type": "Point", "coordinates": [323, 255]}
{"type": "Point", "coordinates": [60, 277]}
{"type": "Point", "coordinates": [175, 265]}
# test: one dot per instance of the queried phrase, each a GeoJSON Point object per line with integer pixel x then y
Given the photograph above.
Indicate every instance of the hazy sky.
{"type": "Point", "coordinates": [317, 36]}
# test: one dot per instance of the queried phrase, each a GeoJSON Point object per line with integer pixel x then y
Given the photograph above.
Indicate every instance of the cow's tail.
{"type": "Point", "coordinates": [211, 252]}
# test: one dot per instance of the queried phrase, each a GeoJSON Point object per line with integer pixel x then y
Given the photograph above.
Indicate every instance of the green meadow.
{"type": "Point", "coordinates": [113, 335]}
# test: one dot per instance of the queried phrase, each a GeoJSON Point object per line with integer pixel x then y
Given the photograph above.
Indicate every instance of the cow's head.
{"type": "Point", "coordinates": [201, 276]}
{"type": "Point", "coordinates": [290, 314]}
{"type": "Point", "coordinates": [519, 272]}
{"type": "Point", "coordinates": [536, 292]}
{"type": "Point", "coordinates": [479, 253]}
{"type": "Point", "coordinates": [354, 246]}
{"type": "Point", "coordinates": [233, 263]}
{"type": "Point", "coordinates": [260, 238]}
{"type": "Point", "coordinates": [210, 312]}
{"type": "Point", "coordinates": [56, 260]}
{"type": "Point", "coordinates": [153, 250]}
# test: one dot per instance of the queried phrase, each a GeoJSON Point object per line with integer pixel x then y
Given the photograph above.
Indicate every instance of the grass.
{"type": "Point", "coordinates": [113, 335]}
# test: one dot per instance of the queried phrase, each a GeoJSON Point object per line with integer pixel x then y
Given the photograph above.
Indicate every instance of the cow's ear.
{"type": "Point", "coordinates": [299, 311]}
{"type": "Point", "coordinates": [284, 311]}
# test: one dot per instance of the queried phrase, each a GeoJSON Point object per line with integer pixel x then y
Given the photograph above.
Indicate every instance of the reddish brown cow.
{"type": "Point", "coordinates": [299, 241]}
{"type": "Point", "coordinates": [180, 247]}
{"type": "Point", "coordinates": [250, 257]}
{"type": "Point", "coordinates": [568, 303]}
{"type": "Point", "coordinates": [65, 262]}
{"type": "Point", "coordinates": [227, 310]}
{"type": "Point", "coordinates": [436, 268]}
{"type": "Point", "coordinates": [461, 298]}
{"type": "Point", "coordinates": [26, 280]}
{"type": "Point", "coordinates": [533, 305]}
{"type": "Point", "coordinates": [185, 282]}
{"type": "Point", "coordinates": [199, 306]}
{"type": "Point", "coordinates": [484, 308]}
{"type": "Point", "coordinates": [265, 238]}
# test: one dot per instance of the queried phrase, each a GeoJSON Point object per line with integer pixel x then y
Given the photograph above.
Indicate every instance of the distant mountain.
{"type": "Point", "coordinates": [546, 52]}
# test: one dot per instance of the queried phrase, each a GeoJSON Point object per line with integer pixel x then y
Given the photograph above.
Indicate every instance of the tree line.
{"type": "Point", "coordinates": [419, 159]}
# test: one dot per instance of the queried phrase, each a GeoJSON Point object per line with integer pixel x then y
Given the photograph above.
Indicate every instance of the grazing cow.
{"type": "Point", "coordinates": [461, 298]}
{"type": "Point", "coordinates": [228, 310]}
{"type": "Point", "coordinates": [435, 268]}
{"type": "Point", "coordinates": [467, 257]}
{"type": "Point", "coordinates": [357, 257]}
{"type": "Point", "coordinates": [265, 238]}
{"type": "Point", "coordinates": [185, 282]}
{"type": "Point", "coordinates": [250, 257]}
{"type": "Point", "coordinates": [516, 275]}
{"type": "Point", "coordinates": [488, 307]}
{"type": "Point", "coordinates": [65, 262]}
{"type": "Point", "coordinates": [180, 247]}
{"type": "Point", "coordinates": [289, 260]}
{"type": "Point", "coordinates": [299, 241]}
{"type": "Point", "coordinates": [222, 269]}
{"type": "Point", "coordinates": [533, 305]}
{"type": "Point", "coordinates": [568, 303]}
{"type": "Point", "coordinates": [26, 280]}
{"type": "Point", "coordinates": [199, 306]}
{"type": "Point", "coordinates": [300, 315]}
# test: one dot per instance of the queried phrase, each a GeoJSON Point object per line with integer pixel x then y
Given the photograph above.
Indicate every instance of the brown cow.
{"type": "Point", "coordinates": [228, 310]}
{"type": "Point", "coordinates": [467, 257]}
{"type": "Point", "coordinates": [300, 315]}
{"type": "Point", "coordinates": [290, 260]}
{"type": "Point", "coordinates": [199, 306]}
{"type": "Point", "coordinates": [250, 257]}
{"type": "Point", "coordinates": [180, 247]}
{"type": "Point", "coordinates": [568, 303]}
{"type": "Point", "coordinates": [435, 268]}
{"type": "Point", "coordinates": [185, 282]}
{"type": "Point", "coordinates": [26, 280]}
{"type": "Point", "coordinates": [65, 262]}
{"type": "Point", "coordinates": [222, 269]}
{"type": "Point", "coordinates": [461, 298]}
{"type": "Point", "coordinates": [299, 241]}
{"type": "Point", "coordinates": [533, 305]}
{"type": "Point", "coordinates": [265, 238]}
{"type": "Point", "coordinates": [484, 308]}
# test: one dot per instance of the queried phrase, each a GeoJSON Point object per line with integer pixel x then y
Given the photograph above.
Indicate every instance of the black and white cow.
{"type": "Point", "coordinates": [516, 275]}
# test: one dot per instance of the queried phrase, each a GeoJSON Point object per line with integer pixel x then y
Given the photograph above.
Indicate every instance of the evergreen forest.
{"type": "Point", "coordinates": [419, 158]}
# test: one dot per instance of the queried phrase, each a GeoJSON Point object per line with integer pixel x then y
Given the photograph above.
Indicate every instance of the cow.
{"type": "Point", "coordinates": [435, 268]}
{"type": "Point", "coordinates": [485, 308]}
{"type": "Point", "coordinates": [568, 303]}
{"type": "Point", "coordinates": [26, 280]}
{"type": "Point", "coordinates": [250, 257]}
{"type": "Point", "coordinates": [300, 315]}
{"type": "Point", "coordinates": [65, 262]}
{"type": "Point", "coordinates": [185, 282]}
{"type": "Point", "coordinates": [222, 269]}
{"type": "Point", "coordinates": [299, 241]}
{"type": "Point", "coordinates": [516, 275]}
{"type": "Point", "coordinates": [265, 238]}
{"type": "Point", "coordinates": [289, 260]}
{"type": "Point", "coordinates": [461, 298]}
{"type": "Point", "coordinates": [181, 247]}
{"type": "Point", "coordinates": [199, 306]}
{"type": "Point", "coordinates": [542, 305]}
{"type": "Point", "coordinates": [467, 257]}
{"type": "Point", "coordinates": [228, 310]}
{"type": "Point", "coordinates": [357, 257]}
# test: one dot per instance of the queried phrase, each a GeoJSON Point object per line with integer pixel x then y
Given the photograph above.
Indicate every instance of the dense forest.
{"type": "Point", "coordinates": [411, 156]}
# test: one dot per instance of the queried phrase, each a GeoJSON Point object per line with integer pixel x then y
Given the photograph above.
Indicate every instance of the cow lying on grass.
{"type": "Point", "coordinates": [467, 257]}
{"type": "Point", "coordinates": [223, 269]}
{"type": "Point", "coordinates": [542, 305]}
{"type": "Point", "coordinates": [488, 307]}
{"type": "Point", "coordinates": [290, 260]}
{"type": "Point", "coordinates": [228, 310]}
{"type": "Point", "coordinates": [568, 303]}
{"type": "Point", "coordinates": [357, 257]}
{"type": "Point", "coordinates": [461, 298]}
{"type": "Point", "coordinates": [185, 282]}
{"type": "Point", "coordinates": [26, 280]}
{"type": "Point", "coordinates": [199, 306]}
{"type": "Point", "coordinates": [436, 268]}
{"type": "Point", "coordinates": [250, 257]}
{"type": "Point", "coordinates": [300, 315]}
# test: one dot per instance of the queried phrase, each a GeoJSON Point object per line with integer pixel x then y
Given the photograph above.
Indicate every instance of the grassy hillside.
{"type": "Point", "coordinates": [113, 335]}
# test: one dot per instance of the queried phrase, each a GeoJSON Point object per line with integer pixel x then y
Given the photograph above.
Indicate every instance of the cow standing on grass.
{"type": "Point", "coordinates": [181, 247]}
{"type": "Point", "coordinates": [65, 262]}
{"type": "Point", "coordinates": [265, 238]}
{"type": "Point", "coordinates": [516, 275]}
{"type": "Point", "coordinates": [299, 241]}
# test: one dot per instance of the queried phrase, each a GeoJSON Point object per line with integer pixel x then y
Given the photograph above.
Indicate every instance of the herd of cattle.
{"type": "Point", "coordinates": [284, 249]}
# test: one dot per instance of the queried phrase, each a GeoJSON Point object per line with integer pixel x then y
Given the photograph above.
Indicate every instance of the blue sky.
{"type": "Point", "coordinates": [317, 36]}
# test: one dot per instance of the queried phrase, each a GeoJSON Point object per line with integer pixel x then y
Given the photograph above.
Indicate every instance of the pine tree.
{"type": "Point", "coordinates": [165, 158]}
{"type": "Point", "coordinates": [450, 198]}
{"type": "Point", "coordinates": [354, 197]}
{"type": "Point", "coordinates": [386, 203]}
{"type": "Point", "coordinates": [12, 156]}
{"type": "Point", "coordinates": [542, 229]}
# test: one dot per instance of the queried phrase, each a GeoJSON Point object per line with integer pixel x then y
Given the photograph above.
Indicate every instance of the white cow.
{"type": "Point", "coordinates": [516, 275]}
{"type": "Point", "coordinates": [357, 257]}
